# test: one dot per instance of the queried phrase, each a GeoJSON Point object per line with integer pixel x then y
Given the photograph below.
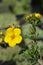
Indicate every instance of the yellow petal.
{"type": "Point", "coordinates": [7, 39]}
{"type": "Point", "coordinates": [12, 43]}
{"type": "Point", "coordinates": [9, 31]}
{"type": "Point", "coordinates": [18, 39]}
{"type": "Point", "coordinates": [37, 15]}
{"type": "Point", "coordinates": [17, 31]}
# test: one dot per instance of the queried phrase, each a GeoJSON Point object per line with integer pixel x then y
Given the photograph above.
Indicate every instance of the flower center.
{"type": "Point", "coordinates": [13, 36]}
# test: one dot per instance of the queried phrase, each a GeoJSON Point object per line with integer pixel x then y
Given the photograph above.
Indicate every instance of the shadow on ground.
{"type": "Point", "coordinates": [36, 6]}
{"type": "Point", "coordinates": [8, 63]}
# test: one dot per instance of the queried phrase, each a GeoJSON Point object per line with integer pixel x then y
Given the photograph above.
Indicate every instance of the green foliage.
{"type": "Point", "coordinates": [17, 6]}
{"type": "Point", "coordinates": [34, 51]}
{"type": "Point", "coordinates": [7, 54]}
{"type": "Point", "coordinates": [26, 30]}
{"type": "Point", "coordinates": [32, 54]}
{"type": "Point", "coordinates": [9, 2]}
{"type": "Point", "coordinates": [7, 19]}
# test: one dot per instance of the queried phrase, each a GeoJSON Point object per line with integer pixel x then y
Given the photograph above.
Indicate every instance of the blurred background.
{"type": "Point", "coordinates": [21, 6]}
{"type": "Point", "coordinates": [13, 12]}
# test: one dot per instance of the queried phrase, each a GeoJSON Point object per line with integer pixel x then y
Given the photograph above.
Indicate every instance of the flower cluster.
{"type": "Point", "coordinates": [36, 15]}
{"type": "Point", "coordinates": [34, 51]}
{"type": "Point", "coordinates": [33, 18]}
{"type": "Point", "coordinates": [13, 36]}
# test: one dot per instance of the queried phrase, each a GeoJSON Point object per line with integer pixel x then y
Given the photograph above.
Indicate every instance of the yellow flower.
{"type": "Point", "coordinates": [27, 17]}
{"type": "Point", "coordinates": [13, 36]}
{"type": "Point", "coordinates": [30, 15]}
{"type": "Point", "coordinates": [37, 15]}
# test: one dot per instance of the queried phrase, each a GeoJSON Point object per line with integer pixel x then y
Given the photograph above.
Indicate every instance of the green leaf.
{"type": "Point", "coordinates": [7, 19]}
